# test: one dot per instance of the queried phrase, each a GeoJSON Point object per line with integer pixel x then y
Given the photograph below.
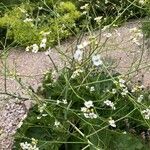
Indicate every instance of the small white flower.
{"type": "Point", "coordinates": [112, 123]}
{"type": "Point", "coordinates": [84, 7]}
{"type": "Point", "coordinates": [88, 110]}
{"type": "Point", "coordinates": [88, 104]}
{"type": "Point", "coordinates": [92, 89]}
{"type": "Point", "coordinates": [56, 123]}
{"type": "Point", "coordinates": [142, 2]}
{"type": "Point", "coordinates": [140, 98]}
{"type": "Point", "coordinates": [28, 48]}
{"type": "Point", "coordinates": [39, 117]}
{"type": "Point", "coordinates": [44, 115]}
{"type": "Point", "coordinates": [65, 101]}
{"type": "Point", "coordinates": [78, 55]}
{"type": "Point", "coordinates": [40, 8]}
{"type": "Point", "coordinates": [42, 108]}
{"type": "Point", "coordinates": [83, 109]}
{"type": "Point", "coordinates": [122, 81]}
{"type": "Point", "coordinates": [110, 104]}
{"type": "Point", "coordinates": [58, 102]}
{"type": "Point", "coordinates": [44, 40]}
{"type": "Point", "coordinates": [84, 12]}
{"type": "Point", "coordinates": [43, 45]}
{"type": "Point", "coordinates": [124, 91]}
{"type": "Point", "coordinates": [28, 20]}
{"type": "Point", "coordinates": [35, 48]}
{"type": "Point", "coordinates": [25, 146]}
{"type": "Point", "coordinates": [76, 73]}
{"type": "Point", "coordinates": [96, 59]}
{"type": "Point", "coordinates": [146, 113]}
{"type": "Point", "coordinates": [98, 19]}
{"type": "Point", "coordinates": [124, 132]}
{"type": "Point", "coordinates": [92, 115]}
{"type": "Point", "coordinates": [114, 91]}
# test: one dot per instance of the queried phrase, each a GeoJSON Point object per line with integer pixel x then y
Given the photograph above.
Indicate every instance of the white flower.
{"type": "Point", "coordinates": [40, 8]}
{"type": "Point", "coordinates": [142, 2]}
{"type": "Point", "coordinates": [43, 45]}
{"type": "Point", "coordinates": [112, 123]}
{"type": "Point", "coordinates": [140, 98]}
{"type": "Point", "coordinates": [44, 115]}
{"type": "Point", "coordinates": [44, 40]}
{"type": "Point", "coordinates": [56, 123]}
{"type": "Point", "coordinates": [84, 12]}
{"type": "Point", "coordinates": [76, 73]}
{"type": "Point", "coordinates": [28, 146]}
{"type": "Point", "coordinates": [114, 91]}
{"type": "Point", "coordinates": [39, 117]}
{"type": "Point", "coordinates": [84, 7]}
{"type": "Point", "coordinates": [25, 146]}
{"type": "Point", "coordinates": [65, 101]}
{"type": "Point", "coordinates": [35, 48]}
{"type": "Point", "coordinates": [28, 48]}
{"type": "Point", "coordinates": [92, 89]}
{"type": "Point", "coordinates": [88, 110]}
{"type": "Point", "coordinates": [106, 1]}
{"type": "Point", "coordinates": [122, 81]}
{"type": "Point", "coordinates": [97, 60]}
{"type": "Point", "coordinates": [58, 102]}
{"type": "Point", "coordinates": [28, 20]}
{"type": "Point", "coordinates": [146, 113]}
{"type": "Point", "coordinates": [88, 104]}
{"type": "Point", "coordinates": [78, 55]}
{"type": "Point", "coordinates": [42, 108]}
{"type": "Point", "coordinates": [98, 19]}
{"type": "Point", "coordinates": [109, 103]}
{"type": "Point", "coordinates": [91, 115]}
{"type": "Point", "coordinates": [124, 91]}
{"type": "Point", "coordinates": [83, 109]}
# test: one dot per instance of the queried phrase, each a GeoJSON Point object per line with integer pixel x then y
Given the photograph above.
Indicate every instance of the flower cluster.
{"type": "Point", "coordinates": [41, 110]}
{"type": "Point", "coordinates": [121, 83]}
{"type": "Point", "coordinates": [63, 101]}
{"type": "Point", "coordinates": [112, 122]}
{"type": "Point", "coordinates": [44, 40]}
{"type": "Point", "coordinates": [110, 104]}
{"type": "Point", "coordinates": [140, 98]}
{"type": "Point", "coordinates": [76, 73]}
{"type": "Point", "coordinates": [34, 48]}
{"type": "Point", "coordinates": [88, 110]}
{"type": "Point", "coordinates": [29, 146]}
{"type": "Point", "coordinates": [146, 113]}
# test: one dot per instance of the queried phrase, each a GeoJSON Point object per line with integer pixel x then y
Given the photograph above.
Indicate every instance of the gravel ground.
{"type": "Point", "coordinates": [30, 68]}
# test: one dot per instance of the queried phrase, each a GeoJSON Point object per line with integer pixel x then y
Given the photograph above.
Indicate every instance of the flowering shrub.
{"type": "Point", "coordinates": [87, 105]}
